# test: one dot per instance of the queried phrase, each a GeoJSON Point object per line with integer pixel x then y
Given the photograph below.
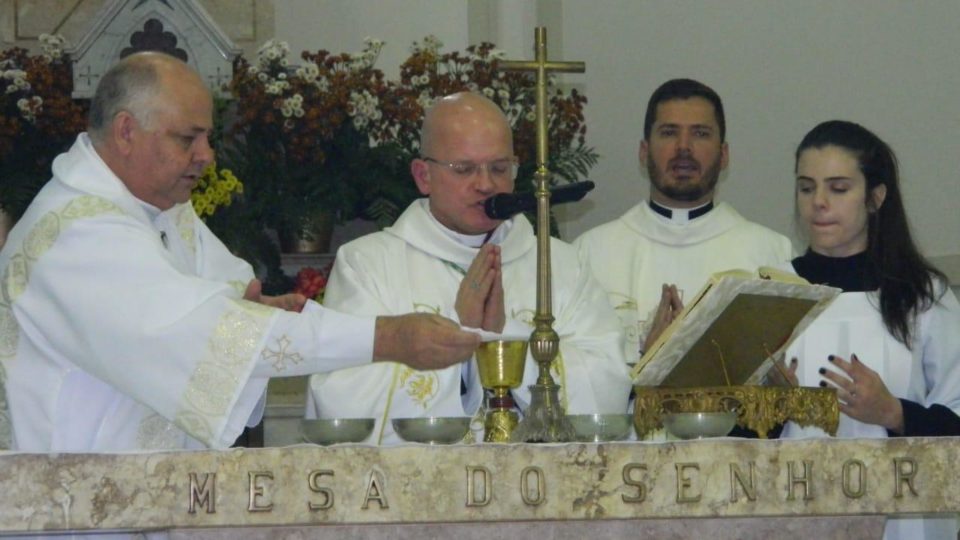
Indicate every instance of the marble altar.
{"type": "Point", "coordinates": [562, 490]}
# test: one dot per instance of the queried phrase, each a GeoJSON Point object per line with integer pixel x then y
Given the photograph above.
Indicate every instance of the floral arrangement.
{"type": "Point", "coordinates": [215, 189]}
{"type": "Point", "coordinates": [311, 282]}
{"type": "Point", "coordinates": [303, 130]}
{"type": "Point", "coordinates": [340, 136]}
{"type": "Point", "coordinates": [39, 119]}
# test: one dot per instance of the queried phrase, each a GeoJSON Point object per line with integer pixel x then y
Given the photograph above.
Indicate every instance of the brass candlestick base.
{"type": "Point", "coordinates": [501, 366]}
{"type": "Point", "coordinates": [544, 420]}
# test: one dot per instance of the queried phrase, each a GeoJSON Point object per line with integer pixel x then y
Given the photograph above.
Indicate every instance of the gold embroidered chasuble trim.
{"type": "Point", "coordinates": [17, 274]}
{"type": "Point", "coordinates": [186, 226]}
{"type": "Point", "coordinates": [225, 366]}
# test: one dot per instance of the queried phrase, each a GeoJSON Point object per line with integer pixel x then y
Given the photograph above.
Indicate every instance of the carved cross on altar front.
{"type": "Point", "coordinates": [88, 76]}
{"type": "Point", "coordinates": [218, 78]}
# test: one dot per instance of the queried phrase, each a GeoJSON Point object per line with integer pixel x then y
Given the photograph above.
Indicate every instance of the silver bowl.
{"type": "Point", "coordinates": [601, 427]}
{"type": "Point", "coordinates": [699, 425]}
{"type": "Point", "coordinates": [432, 429]}
{"type": "Point", "coordinates": [336, 430]}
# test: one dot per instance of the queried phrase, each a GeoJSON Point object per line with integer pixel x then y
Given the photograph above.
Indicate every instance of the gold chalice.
{"type": "Point", "coordinates": [501, 368]}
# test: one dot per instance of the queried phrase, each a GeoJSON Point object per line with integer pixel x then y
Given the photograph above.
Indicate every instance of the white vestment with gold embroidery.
{"type": "Point", "coordinates": [635, 254]}
{"type": "Point", "coordinates": [417, 266]}
{"type": "Point", "coordinates": [123, 327]}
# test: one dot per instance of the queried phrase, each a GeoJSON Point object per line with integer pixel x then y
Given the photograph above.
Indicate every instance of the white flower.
{"type": "Point", "coordinates": [488, 92]}
{"type": "Point", "coordinates": [273, 88]}
{"type": "Point", "coordinates": [52, 45]}
{"type": "Point", "coordinates": [531, 116]}
{"type": "Point", "coordinates": [30, 107]}
{"type": "Point", "coordinates": [503, 94]}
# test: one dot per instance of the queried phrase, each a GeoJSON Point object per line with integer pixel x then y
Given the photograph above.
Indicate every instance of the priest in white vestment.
{"type": "Point", "coordinates": [445, 256]}
{"type": "Point", "coordinates": [125, 324]}
{"type": "Point", "coordinates": [665, 250]}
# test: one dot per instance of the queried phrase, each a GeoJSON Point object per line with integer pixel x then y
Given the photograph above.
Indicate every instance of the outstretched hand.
{"type": "Point", "coordinates": [422, 341]}
{"type": "Point", "coordinates": [479, 302]}
{"type": "Point", "coordinates": [286, 302]}
{"type": "Point", "coordinates": [863, 395]}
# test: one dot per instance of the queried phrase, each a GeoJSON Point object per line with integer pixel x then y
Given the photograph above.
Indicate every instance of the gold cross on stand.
{"type": "Point", "coordinates": [544, 420]}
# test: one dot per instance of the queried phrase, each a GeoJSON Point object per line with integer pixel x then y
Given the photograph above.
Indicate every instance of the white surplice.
{"type": "Point", "coordinates": [123, 327]}
{"type": "Point", "coordinates": [417, 265]}
{"type": "Point", "coordinates": [928, 374]}
{"type": "Point", "coordinates": [635, 254]}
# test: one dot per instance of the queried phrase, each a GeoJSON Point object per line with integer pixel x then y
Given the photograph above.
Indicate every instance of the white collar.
{"type": "Point", "coordinates": [473, 240]}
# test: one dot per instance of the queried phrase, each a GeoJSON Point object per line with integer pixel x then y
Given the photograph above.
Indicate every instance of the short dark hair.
{"type": "Point", "coordinates": [907, 285]}
{"type": "Point", "coordinates": [683, 89]}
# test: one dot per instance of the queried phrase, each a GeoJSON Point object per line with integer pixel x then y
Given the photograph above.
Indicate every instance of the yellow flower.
{"type": "Point", "coordinates": [214, 189]}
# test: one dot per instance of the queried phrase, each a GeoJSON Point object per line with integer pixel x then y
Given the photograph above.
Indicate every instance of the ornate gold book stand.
{"type": "Point", "coordinates": [759, 408]}
{"type": "Point", "coordinates": [714, 357]}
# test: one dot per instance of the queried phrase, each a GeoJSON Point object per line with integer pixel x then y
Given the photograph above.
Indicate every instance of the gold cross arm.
{"type": "Point", "coordinates": [534, 65]}
{"type": "Point", "coordinates": [541, 66]}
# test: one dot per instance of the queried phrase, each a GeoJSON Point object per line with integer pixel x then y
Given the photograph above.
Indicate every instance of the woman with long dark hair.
{"type": "Point", "coordinates": [890, 344]}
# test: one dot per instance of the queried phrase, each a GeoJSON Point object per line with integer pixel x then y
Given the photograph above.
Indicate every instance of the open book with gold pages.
{"type": "Point", "coordinates": [730, 333]}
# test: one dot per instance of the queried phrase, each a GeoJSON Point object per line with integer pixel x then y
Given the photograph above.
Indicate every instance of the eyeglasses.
{"type": "Point", "coordinates": [499, 169]}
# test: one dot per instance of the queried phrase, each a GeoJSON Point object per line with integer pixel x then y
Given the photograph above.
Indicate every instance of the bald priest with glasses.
{"type": "Point", "coordinates": [444, 255]}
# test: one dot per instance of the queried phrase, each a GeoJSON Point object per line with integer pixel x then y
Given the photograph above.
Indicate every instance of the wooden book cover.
{"type": "Point", "coordinates": [732, 330]}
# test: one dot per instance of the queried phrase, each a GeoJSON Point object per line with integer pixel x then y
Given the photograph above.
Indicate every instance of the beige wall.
{"type": "Point", "coordinates": [780, 67]}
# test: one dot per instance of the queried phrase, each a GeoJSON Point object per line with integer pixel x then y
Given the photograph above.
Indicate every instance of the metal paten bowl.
{"type": "Point", "coordinates": [601, 427]}
{"type": "Point", "coordinates": [699, 425]}
{"type": "Point", "coordinates": [432, 429]}
{"type": "Point", "coordinates": [336, 430]}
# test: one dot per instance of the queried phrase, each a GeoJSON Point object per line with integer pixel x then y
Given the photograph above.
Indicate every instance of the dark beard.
{"type": "Point", "coordinates": [686, 192]}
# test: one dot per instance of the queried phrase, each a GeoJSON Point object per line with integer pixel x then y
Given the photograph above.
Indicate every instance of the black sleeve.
{"type": "Point", "coordinates": [920, 421]}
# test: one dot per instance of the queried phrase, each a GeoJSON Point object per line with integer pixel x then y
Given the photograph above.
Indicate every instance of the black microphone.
{"type": "Point", "coordinates": [506, 205]}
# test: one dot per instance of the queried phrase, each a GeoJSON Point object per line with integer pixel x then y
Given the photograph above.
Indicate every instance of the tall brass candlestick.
{"type": "Point", "coordinates": [544, 420]}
